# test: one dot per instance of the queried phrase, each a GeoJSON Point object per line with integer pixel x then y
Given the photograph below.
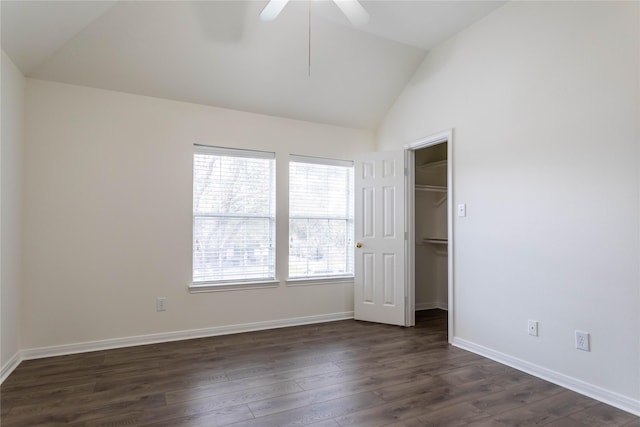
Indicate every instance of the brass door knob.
{"type": "Point", "coordinates": [358, 245]}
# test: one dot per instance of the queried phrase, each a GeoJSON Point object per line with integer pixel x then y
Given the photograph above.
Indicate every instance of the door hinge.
{"type": "Point", "coordinates": [406, 236]}
{"type": "Point", "coordinates": [406, 172]}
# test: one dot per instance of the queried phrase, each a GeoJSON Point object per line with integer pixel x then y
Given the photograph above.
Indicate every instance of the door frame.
{"type": "Point", "coordinates": [410, 262]}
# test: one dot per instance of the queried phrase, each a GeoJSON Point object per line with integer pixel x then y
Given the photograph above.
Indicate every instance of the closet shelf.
{"type": "Point", "coordinates": [433, 165]}
{"type": "Point", "coordinates": [434, 188]}
{"type": "Point", "coordinates": [435, 240]}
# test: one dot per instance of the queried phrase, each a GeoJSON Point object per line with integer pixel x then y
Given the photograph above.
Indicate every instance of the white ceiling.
{"type": "Point", "coordinates": [219, 52]}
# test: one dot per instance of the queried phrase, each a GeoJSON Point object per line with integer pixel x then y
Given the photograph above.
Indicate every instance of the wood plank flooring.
{"type": "Point", "coordinates": [336, 374]}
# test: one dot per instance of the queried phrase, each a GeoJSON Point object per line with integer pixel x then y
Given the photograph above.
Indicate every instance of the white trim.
{"type": "Point", "coordinates": [9, 367]}
{"type": "Point", "coordinates": [83, 347]}
{"type": "Point", "coordinates": [606, 396]}
{"type": "Point", "coordinates": [295, 158]}
{"type": "Point", "coordinates": [434, 139]}
{"type": "Point", "coordinates": [410, 238]}
{"type": "Point", "coordinates": [431, 306]}
{"type": "Point", "coordinates": [238, 286]}
{"type": "Point", "coordinates": [232, 152]}
{"type": "Point", "coordinates": [320, 281]}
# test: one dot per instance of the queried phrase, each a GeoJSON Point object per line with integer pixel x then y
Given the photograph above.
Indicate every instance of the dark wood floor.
{"type": "Point", "coordinates": [344, 373]}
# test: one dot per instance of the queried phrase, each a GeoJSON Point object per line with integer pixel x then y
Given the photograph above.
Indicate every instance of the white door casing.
{"type": "Point", "coordinates": [379, 285]}
{"type": "Point", "coordinates": [439, 138]}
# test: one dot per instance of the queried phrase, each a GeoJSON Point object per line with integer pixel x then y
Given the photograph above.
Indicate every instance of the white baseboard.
{"type": "Point", "coordinates": [10, 366]}
{"type": "Point", "coordinates": [595, 392]}
{"type": "Point", "coordinates": [606, 396]}
{"type": "Point", "coordinates": [83, 347]}
{"type": "Point", "coordinates": [431, 305]}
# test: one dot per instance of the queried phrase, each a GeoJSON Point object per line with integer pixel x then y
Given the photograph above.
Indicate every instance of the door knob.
{"type": "Point", "coordinates": [358, 245]}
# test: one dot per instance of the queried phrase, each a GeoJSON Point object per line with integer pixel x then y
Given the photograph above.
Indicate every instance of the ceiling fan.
{"type": "Point", "coordinates": [352, 9]}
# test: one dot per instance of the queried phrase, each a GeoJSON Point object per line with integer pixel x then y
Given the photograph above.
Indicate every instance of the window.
{"type": "Point", "coordinates": [233, 216]}
{"type": "Point", "coordinates": [320, 218]}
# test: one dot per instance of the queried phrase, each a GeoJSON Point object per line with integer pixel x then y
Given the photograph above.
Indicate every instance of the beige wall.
{"type": "Point", "coordinates": [543, 98]}
{"type": "Point", "coordinates": [108, 214]}
{"type": "Point", "coordinates": [544, 101]}
{"type": "Point", "coordinates": [12, 105]}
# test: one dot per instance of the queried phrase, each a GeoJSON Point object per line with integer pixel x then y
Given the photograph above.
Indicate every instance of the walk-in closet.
{"type": "Point", "coordinates": [431, 257]}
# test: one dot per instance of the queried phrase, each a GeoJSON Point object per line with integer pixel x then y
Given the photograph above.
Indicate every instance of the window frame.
{"type": "Point", "coordinates": [235, 284]}
{"type": "Point", "coordinates": [326, 279]}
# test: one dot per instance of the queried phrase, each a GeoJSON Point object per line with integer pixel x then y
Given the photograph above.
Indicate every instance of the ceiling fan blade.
{"type": "Point", "coordinates": [353, 10]}
{"type": "Point", "coordinates": [272, 9]}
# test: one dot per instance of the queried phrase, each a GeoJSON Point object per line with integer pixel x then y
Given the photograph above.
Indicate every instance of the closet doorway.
{"type": "Point", "coordinates": [430, 231]}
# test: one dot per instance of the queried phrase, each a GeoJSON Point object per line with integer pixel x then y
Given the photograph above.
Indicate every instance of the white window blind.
{"type": "Point", "coordinates": [233, 215]}
{"type": "Point", "coordinates": [320, 218]}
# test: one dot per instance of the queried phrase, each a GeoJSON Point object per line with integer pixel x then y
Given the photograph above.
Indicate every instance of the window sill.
{"type": "Point", "coordinates": [237, 286]}
{"type": "Point", "coordinates": [320, 281]}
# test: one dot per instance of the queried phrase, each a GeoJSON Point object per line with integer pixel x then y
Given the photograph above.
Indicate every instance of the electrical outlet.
{"type": "Point", "coordinates": [533, 328]}
{"type": "Point", "coordinates": [582, 341]}
{"type": "Point", "coordinates": [161, 304]}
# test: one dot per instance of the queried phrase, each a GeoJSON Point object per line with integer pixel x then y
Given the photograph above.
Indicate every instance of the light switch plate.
{"type": "Point", "coordinates": [462, 209]}
{"type": "Point", "coordinates": [533, 327]}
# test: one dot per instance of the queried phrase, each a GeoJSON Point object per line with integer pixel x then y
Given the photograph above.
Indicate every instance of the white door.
{"type": "Point", "coordinates": [379, 285]}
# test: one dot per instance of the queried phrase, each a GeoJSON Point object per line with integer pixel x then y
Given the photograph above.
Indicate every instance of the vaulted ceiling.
{"type": "Point", "coordinates": [309, 64]}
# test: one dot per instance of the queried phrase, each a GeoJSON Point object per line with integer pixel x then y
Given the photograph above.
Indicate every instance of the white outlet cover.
{"type": "Point", "coordinates": [582, 341]}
